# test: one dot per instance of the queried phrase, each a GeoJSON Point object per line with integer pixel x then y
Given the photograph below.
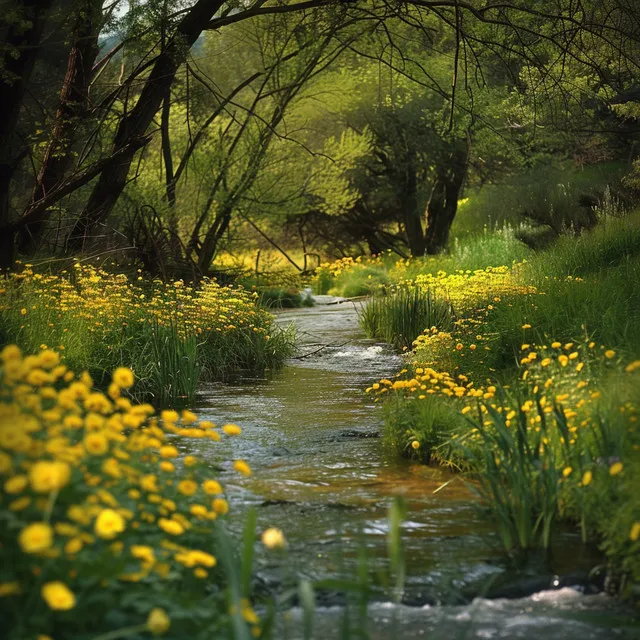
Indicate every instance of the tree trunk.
{"type": "Point", "coordinates": [135, 124]}
{"type": "Point", "coordinates": [16, 70]}
{"type": "Point", "coordinates": [209, 246]}
{"type": "Point", "coordinates": [170, 180]}
{"type": "Point", "coordinates": [72, 110]}
{"type": "Point", "coordinates": [443, 202]}
{"type": "Point", "coordinates": [411, 214]}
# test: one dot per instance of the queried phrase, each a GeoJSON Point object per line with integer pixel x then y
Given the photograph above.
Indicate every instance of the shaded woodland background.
{"type": "Point", "coordinates": [169, 132]}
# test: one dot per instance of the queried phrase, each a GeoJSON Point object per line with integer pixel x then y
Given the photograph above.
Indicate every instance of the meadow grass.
{"type": "Point", "coordinates": [545, 190]}
{"type": "Point", "coordinates": [399, 315]}
{"type": "Point", "coordinates": [534, 389]}
{"type": "Point", "coordinates": [352, 277]}
{"type": "Point", "coordinates": [172, 335]}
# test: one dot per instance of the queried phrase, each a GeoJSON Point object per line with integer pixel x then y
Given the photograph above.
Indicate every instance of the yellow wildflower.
{"type": "Point", "coordinates": [616, 468]}
{"type": "Point", "coordinates": [109, 524]}
{"type": "Point", "coordinates": [58, 596]}
{"type": "Point", "coordinates": [633, 366]}
{"type": "Point", "coordinates": [170, 526]}
{"type": "Point", "coordinates": [187, 487]}
{"type": "Point", "coordinates": [212, 487]}
{"type": "Point", "coordinates": [273, 538]}
{"type": "Point", "coordinates": [220, 506]}
{"type": "Point", "coordinates": [5, 463]}
{"type": "Point", "coordinates": [242, 467]}
{"type": "Point", "coordinates": [188, 417]}
{"type": "Point", "coordinates": [46, 476]}
{"type": "Point", "coordinates": [158, 622]}
{"type": "Point", "coordinates": [232, 429]}
{"type": "Point", "coordinates": [16, 484]}
{"type": "Point", "coordinates": [123, 377]}
{"type": "Point", "coordinates": [169, 451]}
{"type": "Point", "coordinates": [36, 537]}
{"type": "Point", "coordinates": [170, 416]}
{"type": "Point", "coordinates": [96, 444]}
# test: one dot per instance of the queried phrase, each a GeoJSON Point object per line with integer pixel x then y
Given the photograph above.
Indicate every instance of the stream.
{"type": "Point", "coordinates": [320, 473]}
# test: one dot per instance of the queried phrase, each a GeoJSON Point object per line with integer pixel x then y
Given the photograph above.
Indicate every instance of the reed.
{"type": "Point", "coordinates": [398, 316]}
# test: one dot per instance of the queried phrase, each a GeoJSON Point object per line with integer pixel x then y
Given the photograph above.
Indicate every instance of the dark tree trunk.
{"type": "Point", "coordinates": [411, 214]}
{"type": "Point", "coordinates": [443, 202]}
{"type": "Point", "coordinates": [135, 124]}
{"type": "Point", "coordinates": [20, 50]}
{"type": "Point", "coordinates": [71, 112]}
{"type": "Point", "coordinates": [209, 246]}
{"type": "Point", "coordinates": [170, 179]}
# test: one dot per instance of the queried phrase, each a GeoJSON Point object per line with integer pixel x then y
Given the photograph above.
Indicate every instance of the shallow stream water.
{"type": "Point", "coordinates": [312, 438]}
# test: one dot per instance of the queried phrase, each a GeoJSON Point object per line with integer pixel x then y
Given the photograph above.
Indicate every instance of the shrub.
{"type": "Point", "coordinates": [170, 334]}
{"type": "Point", "coordinates": [99, 536]}
{"type": "Point", "coordinates": [400, 315]}
{"type": "Point", "coordinates": [280, 298]}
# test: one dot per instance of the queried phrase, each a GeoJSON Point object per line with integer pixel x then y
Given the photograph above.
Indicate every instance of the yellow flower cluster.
{"type": "Point", "coordinates": [348, 263]}
{"type": "Point", "coordinates": [89, 485]}
{"type": "Point", "coordinates": [467, 289]}
{"type": "Point", "coordinates": [554, 375]}
{"type": "Point", "coordinates": [88, 300]}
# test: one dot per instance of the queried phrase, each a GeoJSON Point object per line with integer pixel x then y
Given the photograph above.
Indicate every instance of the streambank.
{"type": "Point", "coordinates": [322, 476]}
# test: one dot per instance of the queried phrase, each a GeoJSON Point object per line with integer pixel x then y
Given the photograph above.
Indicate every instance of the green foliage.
{"type": "Point", "coordinates": [280, 298]}
{"type": "Point", "coordinates": [167, 363]}
{"type": "Point", "coordinates": [548, 193]}
{"type": "Point", "coordinates": [520, 487]}
{"type": "Point", "coordinates": [399, 315]}
{"type": "Point", "coordinates": [429, 422]}
{"type": "Point", "coordinates": [591, 288]}
{"type": "Point", "coordinates": [171, 335]}
{"type": "Point", "coordinates": [559, 439]}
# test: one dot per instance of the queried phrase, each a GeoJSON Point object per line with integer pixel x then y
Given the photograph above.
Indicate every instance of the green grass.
{"type": "Point", "coordinates": [284, 298]}
{"type": "Point", "coordinates": [530, 468]}
{"type": "Point", "coordinates": [400, 315]}
{"type": "Point", "coordinates": [171, 336]}
{"type": "Point", "coordinates": [518, 481]}
{"type": "Point", "coordinates": [477, 251]}
{"type": "Point", "coordinates": [549, 190]}
{"type": "Point", "coordinates": [591, 288]}
{"type": "Point", "coordinates": [429, 422]}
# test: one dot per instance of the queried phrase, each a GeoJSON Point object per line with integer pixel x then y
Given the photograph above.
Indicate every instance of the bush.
{"type": "Point", "coordinates": [99, 536]}
{"type": "Point", "coordinates": [550, 193]}
{"type": "Point", "coordinates": [171, 335]}
{"type": "Point", "coordinates": [400, 315]}
{"type": "Point", "coordinates": [279, 298]}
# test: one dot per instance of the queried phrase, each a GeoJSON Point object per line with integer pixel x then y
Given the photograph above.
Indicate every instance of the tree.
{"type": "Point", "coordinates": [22, 31]}
{"type": "Point", "coordinates": [550, 44]}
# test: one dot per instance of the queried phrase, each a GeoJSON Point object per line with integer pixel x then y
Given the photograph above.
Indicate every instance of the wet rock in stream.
{"type": "Point", "coordinates": [357, 433]}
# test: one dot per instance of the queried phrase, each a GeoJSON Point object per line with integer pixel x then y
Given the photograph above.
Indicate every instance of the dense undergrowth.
{"type": "Point", "coordinates": [170, 334]}
{"type": "Point", "coordinates": [105, 529]}
{"type": "Point", "coordinates": [353, 277]}
{"type": "Point", "coordinates": [530, 382]}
